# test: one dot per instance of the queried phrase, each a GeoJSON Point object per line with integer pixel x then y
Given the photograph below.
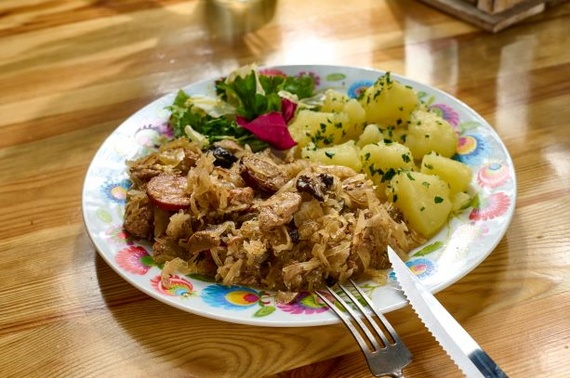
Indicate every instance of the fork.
{"type": "Point", "coordinates": [385, 353]}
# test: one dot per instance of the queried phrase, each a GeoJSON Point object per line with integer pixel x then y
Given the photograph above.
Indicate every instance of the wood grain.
{"type": "Point", "coordinates": [71, 71]}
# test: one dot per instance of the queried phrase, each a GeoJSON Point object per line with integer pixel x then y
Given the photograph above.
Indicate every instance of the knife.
{"type": "Point", "coordinates": [460, 346]}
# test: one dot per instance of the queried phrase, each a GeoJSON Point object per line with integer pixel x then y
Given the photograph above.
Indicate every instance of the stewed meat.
{"type": "Point", "coordinates": [259, 220]}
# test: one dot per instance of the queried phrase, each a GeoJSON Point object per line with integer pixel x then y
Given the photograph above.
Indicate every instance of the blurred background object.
{"type": "Point", "coordinates": [234, 18]}
{"type": "Point", "coordinates": [492, 15]}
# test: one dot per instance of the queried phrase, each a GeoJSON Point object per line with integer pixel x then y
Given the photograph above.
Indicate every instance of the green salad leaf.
{"type": "Point", "coordinates": [250, 96]}
{"type": "Point", "coordinates": [184, 113]}
{"type": "Point", "coordinates": [256, 94]}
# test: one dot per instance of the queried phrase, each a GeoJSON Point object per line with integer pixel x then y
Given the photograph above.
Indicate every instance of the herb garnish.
{"type": "Point", "coordinates": [250, 96]}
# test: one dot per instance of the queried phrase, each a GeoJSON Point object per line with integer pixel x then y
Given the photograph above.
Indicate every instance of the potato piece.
{"type": "Point", "coordinates": [389, 102]}
{"type": "Point", "coordinates": [346, 154]}
{"type": "Point", "coordinates": [357, 120]}
{"type": "Point", "coordinates": [355, 112]}
{"type": "Point", "coordinates": [334, 101]}
{"type": "Point", "coordinates": [423, 199]}
{"type": "Point", "coordinates": [456, 174]}
{"type": "Point", "coordinates": [320, 128]}
{"type": "Point", "coordinates": [428, 132]}
{"type": "Point", "coordinates": [460, 201]}
{"type": "Point", "coordinates": [394, 134]}
{"type": "Point", "coordinates": [380, 162]}
{"type": "Point", "coordinates": [371, 134]}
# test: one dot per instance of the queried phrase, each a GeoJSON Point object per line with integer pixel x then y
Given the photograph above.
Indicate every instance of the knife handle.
{"type": "Point", "coordinates": [486, 365]}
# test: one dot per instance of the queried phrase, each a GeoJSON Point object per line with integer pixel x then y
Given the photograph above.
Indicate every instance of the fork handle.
{"type": "Point", "coordinates": [396, 374]}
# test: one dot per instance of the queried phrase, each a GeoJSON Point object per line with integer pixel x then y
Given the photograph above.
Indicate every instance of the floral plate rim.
{"type": "Point", "coordinates": [454, 252]}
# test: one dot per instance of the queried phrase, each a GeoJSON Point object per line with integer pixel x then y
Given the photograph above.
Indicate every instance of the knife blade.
{"type": "Point", "coordinates": [459, 345]}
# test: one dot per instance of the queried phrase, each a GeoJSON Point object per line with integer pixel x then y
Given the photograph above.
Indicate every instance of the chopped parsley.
{"type": "Point", "coordinates": [388, 175]}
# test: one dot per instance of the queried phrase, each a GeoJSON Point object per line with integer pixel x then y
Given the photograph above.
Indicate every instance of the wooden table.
{"type": "Point", "coordinates": [72, 71]}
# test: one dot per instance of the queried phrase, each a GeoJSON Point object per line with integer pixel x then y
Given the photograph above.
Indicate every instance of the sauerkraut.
{"type": "Point", "coordinates": [260, 220]}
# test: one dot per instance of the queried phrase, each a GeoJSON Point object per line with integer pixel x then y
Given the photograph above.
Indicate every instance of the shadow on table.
{"type": "Point", "coordinates": [189, 345]}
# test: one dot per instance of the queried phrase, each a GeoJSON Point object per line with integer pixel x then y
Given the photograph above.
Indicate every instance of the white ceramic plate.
{"type": "Point", "coordinates": [455, 251]}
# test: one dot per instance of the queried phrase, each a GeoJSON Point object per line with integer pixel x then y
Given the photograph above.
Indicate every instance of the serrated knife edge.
{"type": "Point", "coordinates": [457, 343]}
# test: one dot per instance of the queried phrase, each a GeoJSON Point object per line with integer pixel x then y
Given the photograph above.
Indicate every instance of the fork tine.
{"type": "Point", "coordinates": [347, 320]}
{"type": "Point", "coordinates": [365, 313]}
{"type": "Point", "coordinates": [380, 315]}
{"type": "Point", "coordinates": [386, 360]}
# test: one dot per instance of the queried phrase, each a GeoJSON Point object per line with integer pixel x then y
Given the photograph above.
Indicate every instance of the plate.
{"type": "Point", "coordinates": [463, 244]}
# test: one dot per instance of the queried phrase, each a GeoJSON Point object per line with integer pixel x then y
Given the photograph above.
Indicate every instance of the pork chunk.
{"type": "Point", "coordinates": [278, 209]}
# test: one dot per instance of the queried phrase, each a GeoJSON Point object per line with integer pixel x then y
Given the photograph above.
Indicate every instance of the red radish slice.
{"type": "Point", "coordinates": [271, 128]}
{"type": "Point", "coordinates": [288, 108]}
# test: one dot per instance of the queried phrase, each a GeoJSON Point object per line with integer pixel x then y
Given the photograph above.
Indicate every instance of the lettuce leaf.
{"type": "Point", "coordinates": [244, 94]}
{"type": "Point", "coordinates": [257, 103]}
{"type": "Point", "coordinates": [184, 113]}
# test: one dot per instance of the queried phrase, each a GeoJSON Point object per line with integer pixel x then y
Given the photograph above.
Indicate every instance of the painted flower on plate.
{"type": "Point", "coordinates": [230, 297]}
{"type": "Point", "coordinates": [471, 149]}
{"type": "Point", "coordinates": [178, 286]}
{"type": "Point", "coordinates": [491, 207]}
{"type": "Point", "coordinates": [118, 235]}
{"type": "Point", "coordinates": [421, 267]}
{"type": "Point", "coordinates": [305, 303]}
{"type": "Point", "coordinates": [356, 88]}
{"type": "Point", "coordinates": [493, 175]}
{"type": "Point", "coordinates": [447, 113]}
{"type": "Point", "coordinates": [316, 77]}
{"type": "Point", "coordinates": [116, 191]}
{"type": "Point", "coordinates": [151, 136]}
{"type": "Point", "coordinates": [132, 259]}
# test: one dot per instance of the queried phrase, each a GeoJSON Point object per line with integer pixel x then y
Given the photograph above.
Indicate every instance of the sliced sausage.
{"type": "Point", "coordinates": [167, 191]}
{"type": "Point", "coordinates": [263, 173]}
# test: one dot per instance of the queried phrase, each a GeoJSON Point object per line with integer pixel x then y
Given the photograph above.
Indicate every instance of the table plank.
{"type": "Point", "coordinates": [72, 71]}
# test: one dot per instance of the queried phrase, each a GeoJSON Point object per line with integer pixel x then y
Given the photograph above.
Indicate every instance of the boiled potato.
{"type": "Point", "coordinates": [389, 102]}
{"type": "Point", "coordinates": [460, 201]}
{"type": "Point", "coordinates": [456, 174]}
{"type": "Point", "coordinates": [394, 134]}
{"type": "Point", "coordinates": [334, 101]}
{"type": "Point", "coordinates": [320, 128]}
{"type": "Point", "coordinates": [423, 199]}
{"type": "Point", "coordinates": [337, 102]}
{"type": "Point", "coordinates": [428, 132]}
{"type": "Point", "coordinates": [380, 161]}
{"type": "Point", "coordinates": [346, 154]}
{"type": "Point", "coordinates": [371, 134]}
{"type": "Point", "coordinates": [356, 114]}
